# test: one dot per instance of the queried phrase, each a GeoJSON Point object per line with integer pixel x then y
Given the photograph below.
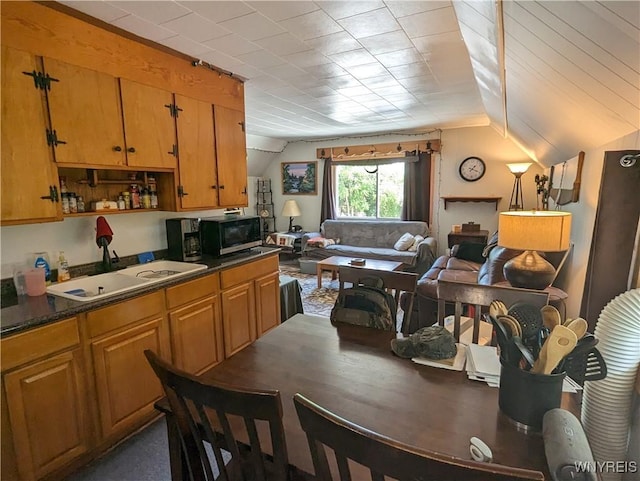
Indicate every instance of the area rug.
{"type": "Point", "coordinates": [315, 300]}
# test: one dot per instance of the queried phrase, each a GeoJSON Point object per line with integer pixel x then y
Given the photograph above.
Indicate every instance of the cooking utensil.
{"type": "Point", "coordinates": [501, 335]}
{"type": "Point", "coordinates": [579, 326]}
{"type": "Point", "coordinates": [567, 321]}
{"type": "Point", "coordinates": [550, 317]}
{"type": "Point", "coordinates": [585, 363]}
{"type": "Point", "coordinates": [530, 320]}
{"type": "Point", "coordinates": [498, 308]}
{"type": "Point", "coordinates": [561, 342]}
{"type": "Point", "coordinates": [512, 326]}
{"type": "Point", "coordinates": [524, 353]}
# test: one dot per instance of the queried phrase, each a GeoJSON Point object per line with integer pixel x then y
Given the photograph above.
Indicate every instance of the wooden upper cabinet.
{"type": "Point", "coordinates": [148, 125]}
{"type": "Point", "coordinates": [196, 154]}
{"type": "Point", "coordinates": [28, 171]}
{"type": "Point", "coordinates": [231, 146]}
{"type": "Point", "coordinates": [84, 106]}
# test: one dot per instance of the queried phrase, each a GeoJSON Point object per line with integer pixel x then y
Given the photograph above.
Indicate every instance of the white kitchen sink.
{"type": "Point", "coordinates": [160, 270]}
{"type": "Point", "coordinates": [92, 288]}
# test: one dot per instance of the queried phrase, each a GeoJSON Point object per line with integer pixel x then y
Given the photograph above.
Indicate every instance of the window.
{"type": "Point", "coordinates": [370, 191]}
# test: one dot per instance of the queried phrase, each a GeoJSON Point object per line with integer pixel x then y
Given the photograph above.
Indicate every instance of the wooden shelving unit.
{"type": "Point", "coordinates": [456, 198]}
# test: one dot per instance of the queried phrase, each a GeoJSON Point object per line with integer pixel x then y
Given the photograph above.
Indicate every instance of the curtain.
{"type": "Point", "coordinates": [417, 189]}
{"type": "Point", "coordinates": [328, 208]}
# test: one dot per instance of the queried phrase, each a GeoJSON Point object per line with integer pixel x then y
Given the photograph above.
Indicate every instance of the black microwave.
{"type": "Point", "coordinates": [225, 235]}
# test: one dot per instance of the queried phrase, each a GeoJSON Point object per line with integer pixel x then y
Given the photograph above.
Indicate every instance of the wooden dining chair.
{"type": "Point", "coordinates": [200, 415]}
{"type": "Point", "coordinates": [384, 456]}
{"type": "Point", "coordinates": [398, 281]}
{"type": "Point", "coordinates": [481, 296]}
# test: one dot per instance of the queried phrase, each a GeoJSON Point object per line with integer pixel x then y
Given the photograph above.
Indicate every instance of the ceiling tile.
{"type": "Point", "coordinates": [143, 28]}
{"type": "Point", "coordinates": [246, 71]}
{"type": "Point", "coordinates": [233, 45]}
{"type": "Point", "coordinates": [196, 27]}
{"type": "Point", "coordinates": [154, 11]}
{"type": "Point", "coordinates": [368, 70]}
{"type": "Point", "coordinates": [430, 43]}
{"type": "Point", "coordinates": [400, 57]}
{"type": "Point", "coordinates": [430, 23]}
{"type": "Point", "coordinates": [411, 70]}
{"type": "Point", "coordinates": [339, 10]}
{"type": "Point", "coordinates": [414, 83]}
{"type": "Point", "coordinates": [370, 23]}
{"type": "Point", "coordinates": [386, 80]}
{"type": "Point", "coordinates": [391, 91]}
{"type": "Point", "coordinates": [334, 43]}
{"type": "Point", "coordinates": [352, 58]}
{"type": "Point", "coordinates": [404, 8]}
{"type": "Point", "coordinates": [221, 60]}
{"type": "Point", "coordinates": [326, 70]}
{"type": "Point", "coordinates": [357, 90]}
{"type": "Point", "coordinates": [386, 42]}
{"type": "Point", "coordinates": [185, 45]}
{"type": "Point", "coordinates": [309, 58]}
{"type": "Point", "coordinates": [277, 11]}
{"type": "Point", "coordinates": [283, 44]}
{"type": "Point", "coordinates": [284, 71]}
{"type": "Point", "coordinates": [261, 59]}
{"type": "Point", "coordinates": [341, 81]}
{"type": "Point", "coordinates": [311, 25]}
{"type": "Point", "coordinates": [102, 10]}
{"type": "Point", "coordinates": [219, 11]}
{"type": "Point", "coordinates": [253, 26]}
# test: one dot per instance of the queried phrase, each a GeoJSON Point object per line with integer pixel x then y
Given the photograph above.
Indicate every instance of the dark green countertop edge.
{"type": "Point", "coordinates": [32, 312]}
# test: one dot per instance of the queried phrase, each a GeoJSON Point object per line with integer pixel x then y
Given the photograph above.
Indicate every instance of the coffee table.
{"type": "Point", "coordinates": [332, 264]}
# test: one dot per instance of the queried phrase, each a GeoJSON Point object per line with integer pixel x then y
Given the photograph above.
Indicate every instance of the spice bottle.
{"type": "Point", "coordinates": [121, 205]}
{"type": "Point", "coordinates": [65, 202]}
{"type": "Point", "coordinates": [73, 203]}
{"type": "Point", "coordinates": [135, 196]}
{"type": "Point", "coordinates": [127, 199]}
{"type": "Point", "coordinates": [153, 192]}
{"type": "Point", "coordinates": [80, 202]}
{"type": "Point", "coordinates": [145, 199]}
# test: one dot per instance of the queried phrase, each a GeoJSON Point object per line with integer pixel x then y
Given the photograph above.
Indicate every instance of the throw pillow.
{"type": "Point", "coordinates": [404, 242]}
{"type": "Point", "coordinates": [320, 242]}
{"type": "Point", "coordinates": [416, 240]}
{"type": "Point", "coordinates": [469, 251]}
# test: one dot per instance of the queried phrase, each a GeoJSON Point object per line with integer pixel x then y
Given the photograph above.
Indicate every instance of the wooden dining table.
{"type": "Point", "coordinates": [352, 371]}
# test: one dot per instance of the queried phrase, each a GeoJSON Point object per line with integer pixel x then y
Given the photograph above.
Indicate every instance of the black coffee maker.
{"type": "Point", "coordinates": [183, 239]}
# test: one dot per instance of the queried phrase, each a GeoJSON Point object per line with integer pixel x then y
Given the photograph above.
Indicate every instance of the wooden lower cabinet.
{"type": "Point", "coordinates": [267, 302]}
{"type": "Point", "coordinates": [45, 405]}
{"type": "Point", "coordinates": [238, 317]}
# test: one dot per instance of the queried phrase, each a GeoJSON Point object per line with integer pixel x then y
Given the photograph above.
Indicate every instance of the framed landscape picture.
{"type": "Point", "coordinates": [300, 178]}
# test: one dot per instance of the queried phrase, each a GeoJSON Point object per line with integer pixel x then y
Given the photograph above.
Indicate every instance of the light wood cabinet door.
{"type": "Point", "coordinates": [196, 154]}
{"type": "Point", "coordinates": [149, 126]}
{"type": "Point", "coordinates": [84, 106]}
{"type": "Point", "coordinates": [231, 151]}
{"type": "Point", "coordinates": [238, 317]}
{"type": "Point", "coordinates": [267, 302]}
{"type": "Point", "coordinates": [196, 335]}
{"type": "Point", "coordinates": [126, 385]}
{"type": "Point", "coordinates": [48, 414]}
{"type": "Point", "coordinates": [28, 171]}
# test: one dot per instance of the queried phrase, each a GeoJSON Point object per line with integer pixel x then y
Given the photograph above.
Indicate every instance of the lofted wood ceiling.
{"type": "Point", "coordinates": [556, 76]}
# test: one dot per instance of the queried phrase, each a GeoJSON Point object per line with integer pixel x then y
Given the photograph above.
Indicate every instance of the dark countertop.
{"type": "Point", "coordinates": [28, 312]}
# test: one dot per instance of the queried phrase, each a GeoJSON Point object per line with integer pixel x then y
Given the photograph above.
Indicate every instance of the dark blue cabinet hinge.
{"type": "Point", "coordinates": [52, 138]}
{"type": "Point", "coordinates": [173, 110]}
{"type": "Point", "coordinates": [41, 81]}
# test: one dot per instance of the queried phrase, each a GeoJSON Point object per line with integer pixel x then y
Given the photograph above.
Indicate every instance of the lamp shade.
{"type": "Point", "coordinates": [291, 209]}
{"type": "Point", "coordinates": [546, 231]}
{"type": "Point", "coordinates": [519, 167]}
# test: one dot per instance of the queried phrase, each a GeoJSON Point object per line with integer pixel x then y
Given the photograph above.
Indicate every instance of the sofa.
{"type": "Point", "coordinates": [475, 264]}
{"type": "Point", "coordinates": [371, 240]}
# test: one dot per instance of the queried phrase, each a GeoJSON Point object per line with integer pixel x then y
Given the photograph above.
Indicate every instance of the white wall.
{"type": "Point", "coordinates": [457, 144]}
{"type": "Point", "coordinates": [132, 234]}
{"type": "Point", "coordinates": [584, 213]}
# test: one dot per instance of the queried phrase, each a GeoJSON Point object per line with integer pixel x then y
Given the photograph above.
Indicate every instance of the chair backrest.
{"type": "Point", "coordinates": [397, 280]}
{"type": "Point", "coordinates": [384, 456]}
{"type": "Point", "coordinates": [201, 412]}
{"type": "Point", "coordinates": [480, 296]}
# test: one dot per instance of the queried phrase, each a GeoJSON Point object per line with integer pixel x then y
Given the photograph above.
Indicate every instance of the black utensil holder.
{"type": "Point", "coordinates": [524, 397]}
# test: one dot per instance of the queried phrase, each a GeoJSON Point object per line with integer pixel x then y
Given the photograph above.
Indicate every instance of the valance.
{"type": "Point", "coordinates": [378, 154]}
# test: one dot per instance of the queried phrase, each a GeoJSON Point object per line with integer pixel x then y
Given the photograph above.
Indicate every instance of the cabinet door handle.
{"type": "Point", "coordinates": [244, 192]}
{"type": "Point", "coordinates": [214, 186]}
{"type": "Point", "coordinates": [117, 148]}
{"type": "Point", "coordinates": [51, 195]}
{"type": "Point", "coordinates": [131, 149]}
{"type": "Point", "coordinates": [174, 150]}
{"type": "Point", "coordinates": [181, 192]}
{"type": "Point", "coordinates": [221, 187]}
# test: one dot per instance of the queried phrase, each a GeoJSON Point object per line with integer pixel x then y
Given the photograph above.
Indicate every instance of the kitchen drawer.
{"type": "Point", "coordinates": [253, 270]}
{"type": "Point", "coordinates": [40, 342]}
{"type": "Point", "coordinates": [124, 313]}
{"type": "Point", "coordinates": [192, 290]}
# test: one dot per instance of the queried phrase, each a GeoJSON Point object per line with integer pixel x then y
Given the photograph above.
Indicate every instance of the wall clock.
{"type": "Point", "coordinates": [472, 169]}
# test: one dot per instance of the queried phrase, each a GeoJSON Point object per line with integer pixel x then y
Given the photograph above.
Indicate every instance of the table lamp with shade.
{"type": "Point", "coordinates": [291, 210]}
{"type": "Point", "coordinates": [531, 231]}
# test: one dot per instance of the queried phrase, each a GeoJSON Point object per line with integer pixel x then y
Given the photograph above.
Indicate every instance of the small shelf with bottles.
{"type": "Point", "coordinates": [264, 208]}
{"type": "Point", "coordinates": [95, 185]}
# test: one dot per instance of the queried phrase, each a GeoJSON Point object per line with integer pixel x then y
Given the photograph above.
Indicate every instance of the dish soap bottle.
{"type": "Point", "coordinates": [42, 260]}
{"type": "Point", "coordinates": [63, 268]}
